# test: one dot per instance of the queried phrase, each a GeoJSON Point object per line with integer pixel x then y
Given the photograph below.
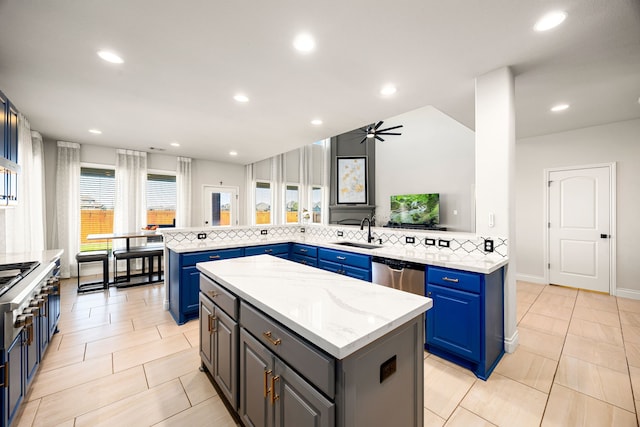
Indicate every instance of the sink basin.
{"type": "Point", "coordinates": [358, 245]}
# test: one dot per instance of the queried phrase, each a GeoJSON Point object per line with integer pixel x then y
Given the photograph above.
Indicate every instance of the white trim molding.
{"type": "Point", "coordinates": [628, 293]}
{"type": "Point", "coordinates": [532, 279]}
{"type": "Point", "coordinates": [511, 343]}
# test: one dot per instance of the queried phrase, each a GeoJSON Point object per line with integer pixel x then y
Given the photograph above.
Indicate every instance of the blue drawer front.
{"type": "Point", "coordinates": [278, 249]}
{"type": "Point", "coordinates": [192, 259]}
{"type": "Point", "coordinates": [306, 260]}
{"type": "Point", "coordinates": [456, 279]}
{"type": "Point", "coordinates": [347, 258]}
{"type": "Point", "coordinates": [305, 250]}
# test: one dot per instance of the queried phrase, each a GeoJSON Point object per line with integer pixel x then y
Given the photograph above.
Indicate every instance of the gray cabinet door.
{"type": "Point", "coordinates": [297, 403]}
{"type": "Point", "coordinates": [256, 375]}
{"type": "Point", "coordinates": [206, 340]}
{"type": "Point", "coordinates": [225, 357]}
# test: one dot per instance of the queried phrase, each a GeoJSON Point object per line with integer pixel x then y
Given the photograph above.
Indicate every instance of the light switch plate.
{"type": "Point", "coordinates": [443, 243]}
{"type": "Point", "coordinates": [430, 242]}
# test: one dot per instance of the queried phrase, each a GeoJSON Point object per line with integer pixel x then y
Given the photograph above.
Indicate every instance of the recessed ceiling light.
{"type": "Point", "coordinates": [388, 89]}
{"type": "Point", "coordinates": [559, 107]}
{"type": "Point", "coordinates": [304, 43]}
{"type": "Point", "coordinates": [241, 98]}
{"type": "Point", "coordinates": [550, 20]}
{"type": "Point", "coordinates": [175, 144]}
{"type": "Point", "coordinates": [95, 131]}
{"type": "Point", "coordinates": [233, 153]}
{"type": "Point", "coordinates": [316, 122]}
{"type": "Point", "coordinates": [110, 57]}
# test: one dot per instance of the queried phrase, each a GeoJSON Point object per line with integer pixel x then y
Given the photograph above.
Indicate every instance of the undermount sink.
{"type": "Point", "coordinates": [358, 245]}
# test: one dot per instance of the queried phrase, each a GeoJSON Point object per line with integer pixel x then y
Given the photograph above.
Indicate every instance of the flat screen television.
{"type": "Point", "coordinates": [415, 209]}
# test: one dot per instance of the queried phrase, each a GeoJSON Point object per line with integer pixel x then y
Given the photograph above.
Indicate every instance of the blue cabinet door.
{"type": "Point", "coordinates": [454, 322]}
{"type": "Point", "coordinates": [15, 387]}
{"type": "Point", "coordinates": [189, 289]}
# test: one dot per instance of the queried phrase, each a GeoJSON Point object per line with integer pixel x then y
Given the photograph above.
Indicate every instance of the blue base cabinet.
{"type": "Point", "coordinates": [304, 254]}
{"type": "Point", "coordinates": [347, 263]}
{"type": "Point", "coordinates": [466, 323]}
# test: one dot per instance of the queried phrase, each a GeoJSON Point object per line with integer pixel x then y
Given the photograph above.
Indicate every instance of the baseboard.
{"type": "Point", "coordinates": [511, 343]}
{"type": "Point", "coordinates": [531, 279]}
{"type": "Point", "coordinates": [628, 293]}
{"type": "Point", "coordinates": [165, 305]}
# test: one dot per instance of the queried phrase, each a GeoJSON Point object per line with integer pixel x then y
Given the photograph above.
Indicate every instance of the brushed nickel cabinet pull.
{"type": "Point", "coordinates": [447, 279]}
{"type": "Point", "coordinates": [274, 396]}
{"type": "Point", "coordinates": [212, 294]}
{"type": "Point", "coordinates": [214, 257]}
{"type": "Point", "coordinates": [5, 375]}
{"type": "Point", "coordinates": [303, 250]}
{"type": "Point", "coordinates": [211, 326]}
{"type": "Point", "coordinates": [267, 390]}
{"type": "Point", "coordinates": [341, 258]}
{"type": "Point", "coordinates": [268, 336]}
{"type": "Point", "coordinates": [268, 251]}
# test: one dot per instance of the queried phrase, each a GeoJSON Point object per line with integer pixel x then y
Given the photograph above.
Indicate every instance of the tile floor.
{"type": "Point", "coordinates": [120, 359]}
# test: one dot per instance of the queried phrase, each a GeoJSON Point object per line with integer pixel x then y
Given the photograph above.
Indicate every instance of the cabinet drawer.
{"type": "Point", "coordinates": [193, 258]}
{"type": "Point", "coordinates": [305, 250]}
{"type": "Point", "coordinates": [317, 367]}
{"type": "Point", "coordinates": [306, 260]}
{"type": "Point", "coordinates": [220, 296]}
{"type": "Point", "coordinates": [282, 248]}
{"type": "Point", "coordinates": [347, 258]}
{"type": "Point", "coordinates": [456, 279]}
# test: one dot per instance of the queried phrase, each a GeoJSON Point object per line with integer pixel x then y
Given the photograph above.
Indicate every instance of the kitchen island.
{"type": "Point", "coordinates": [291, 344]}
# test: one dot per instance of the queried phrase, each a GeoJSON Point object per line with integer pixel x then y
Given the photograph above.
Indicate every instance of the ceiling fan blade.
{"type": "Point", "coordinates": [391, 128]}
{"type": "Point", "coordinates": [378, 125]}
{"type": "Point", "coordinates": [387, 133]}
{"type": "Point", "coordinates": [363, 140]}
{"type": "Point", "coordinates": [377, 137]}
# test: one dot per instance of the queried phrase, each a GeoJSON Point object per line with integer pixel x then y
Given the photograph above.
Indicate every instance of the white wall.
{"type": "Point", "coordinates": [205, 172]}
{"type": "Point", "coordinates": [435, 154]}
{"type": "Point", "coordinates": [616, 142]}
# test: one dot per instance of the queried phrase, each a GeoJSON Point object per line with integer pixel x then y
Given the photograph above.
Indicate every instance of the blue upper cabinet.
{"type": "Point", "coordinates": [9, 154]}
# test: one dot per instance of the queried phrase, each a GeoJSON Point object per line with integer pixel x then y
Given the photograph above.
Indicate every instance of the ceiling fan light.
{"type": "Point", "coordinates": [388, 90]}
{"type": "Point", "coordinates": [370, 134]}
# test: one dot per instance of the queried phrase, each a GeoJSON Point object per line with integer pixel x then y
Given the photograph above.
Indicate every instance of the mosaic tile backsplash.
{"type": "Point", "coordinates": [457, 244]}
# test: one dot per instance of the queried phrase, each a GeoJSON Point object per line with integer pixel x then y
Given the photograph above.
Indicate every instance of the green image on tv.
{"type": "Point", "coordinates": [415, 209]}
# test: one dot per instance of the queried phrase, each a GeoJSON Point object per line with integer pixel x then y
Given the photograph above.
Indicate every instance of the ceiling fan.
{"type": "Point", "coordinates": [373, 131]}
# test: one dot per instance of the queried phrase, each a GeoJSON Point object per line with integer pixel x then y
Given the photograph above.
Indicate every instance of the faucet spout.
{"type": "Point", "coordinates": [369, 236]}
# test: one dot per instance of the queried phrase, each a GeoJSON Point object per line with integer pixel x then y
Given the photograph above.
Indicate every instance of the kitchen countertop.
{"type": "Point", "coordinates": [48, 255]}
{"type": "Point", "coordinates": [339, 314]}
{"type": "Point", "coordinates": [484, 264]}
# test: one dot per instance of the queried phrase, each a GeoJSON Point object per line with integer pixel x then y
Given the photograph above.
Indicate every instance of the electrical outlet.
{"type": "Point", "coordinates": [263, 232]}
{"type": "Point", "coordinates": [488, 245]}
{"type": "Point", "coordinates": [302, 229]}
{"type": "Point", "coordinates": [202, 236]}
{"type": "Point", "coordinates": [430, 242]}
{"type": "Point", "coordinates": [340, 234]}
{"type": "Point", "coordinates": [408, 239]}
{"type": "Point", "coordinates": [443, 243]}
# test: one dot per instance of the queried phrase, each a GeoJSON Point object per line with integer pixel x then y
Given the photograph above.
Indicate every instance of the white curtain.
{"type": "Point", "coordinates": [67, 213]}
{"type": "Point", "coordinates": [277, 181]}
{"type": "Point", "coordinates": [183, 186]}
{"type": "Point", "coordinates": [250, 199]}
{"type": "Point", "coordinates": [130, 211]}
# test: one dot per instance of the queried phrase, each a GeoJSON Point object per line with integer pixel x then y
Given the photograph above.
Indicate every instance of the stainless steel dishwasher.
{"type": "Point", "coordinates": [404, 275]}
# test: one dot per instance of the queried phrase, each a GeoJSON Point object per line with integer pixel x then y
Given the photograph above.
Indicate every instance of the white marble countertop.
{"type": "Point", "coordinates": [48, 255]}
{"type": "Point", "coordinates": [337, 313]}
{"type": "Point", "coordinates": [484, 264]}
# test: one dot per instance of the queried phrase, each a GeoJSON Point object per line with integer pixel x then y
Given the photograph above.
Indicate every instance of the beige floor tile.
{"type": "Point", "coordinates": [596, 352]}
{"type": "Point", "coordinates": [630, 318]}
{"type": "Point", "coordinates": [444, 387]}
{"type": "Point", "coordinates": [505, 402]}
{"type": "Point", "coordinates": [630, 334]}
{"type": "Point", "coordinates": [71, 325]}
{"type": "Point", "coordinates": [211, 412]}
{"type": "Point", "coordinates": [557, 311]}
{"type": "Point", "coordinates": [171, 328]}
{"type": "Point", "coordinates": [521, 310]}
{"type": "Point", "coordinates": [125, 308]}
{"type": "Point", "coordinates": [561, 290]}
{"type": "Point", "coordinates": [53, 381]}
{"type": "Point", "coordinates": [193, 336]}
{"type": "Point", "coordinates": [597, 301]}
{"type": "Point", "coordinates": [173, 366]}
{"type": "Point", "coordinates": [599, 316]}
{"type": "Point", "coordinates": [145, 319]}
{"type": "Point", "coordinates": [121, 342]}
{"type": "Point", "coordinates": [463, 371]}
{"type": "Point", "coordinates": [432, 420]}
{"type": "Point", "coordinates": [633, 353]}
{"type": "Point", "coordinates": [549, 325]}
{"type": "Point", "coordinates": [96, 333]}
{"type": "Point", "coordinates": [554, 299]}
{"type": "Point", "coordinates": [528, 368]}
{"type": "Point", "coordinates": [463, 418]}
{"type": "Point", "coordinates": [634, 374]}
{"type": "Point", "coordinates": [526, 297]}
{"type": "Point", "coordinates": [567, 407]}
{"type": "Point", "coordinates": [27, 414]}
{"type": "Point", "coordinates": [142, 409]}
{"type": "Point", "coordinates": [64, 357]}
{"type": "Point", "coordinates": [144, 353]}
{"type": "Point", "coordinates": [75, 401]}
{"type": "Point", "coordinates": [197, 386]}
{"type": "Point", "coordinates": [534, 288]}
{"type": "Point", "coordinates": [543, 344]}
{"type": "Point", "coordinates": [89, 301]}
{"type": "Point", "coordinates": [627, 304]}
{"type": "Point", "coordinates": [596, 381]}
{"type": "Point", "coordinates": [596, 331]}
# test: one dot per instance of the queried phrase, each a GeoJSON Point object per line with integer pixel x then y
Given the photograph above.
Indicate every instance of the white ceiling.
{"type": "Point", "coordinates": [184, 61]}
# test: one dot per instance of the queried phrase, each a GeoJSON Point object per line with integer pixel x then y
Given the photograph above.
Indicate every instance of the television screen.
{"type": "Point", "coordinates": [416, 209]}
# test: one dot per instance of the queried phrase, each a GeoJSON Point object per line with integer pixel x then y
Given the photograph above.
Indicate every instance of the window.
{"type": "Point", "coordinates": [263, 203]}
{"type": "Point", "coordinates": [161, 199]}
{"type": "Point", "coordinates": [316, 205]}
{"type": "Point", "coordinates": [291, 204]}
{"type": "Point", "coordinates": [97, 197]}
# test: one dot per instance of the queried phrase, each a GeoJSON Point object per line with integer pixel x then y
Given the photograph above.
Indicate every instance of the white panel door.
{"type": "Point", "coordinates": [220, 206]}
{"type": "Point", "coordinates": [579, 228]}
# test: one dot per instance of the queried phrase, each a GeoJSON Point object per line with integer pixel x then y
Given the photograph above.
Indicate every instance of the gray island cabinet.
{"type": "Point", "coordinates": [287, 344]}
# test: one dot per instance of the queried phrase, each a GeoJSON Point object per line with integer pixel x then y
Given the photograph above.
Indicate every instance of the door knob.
{"type": "Point", "coordinates": [604, 236]}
